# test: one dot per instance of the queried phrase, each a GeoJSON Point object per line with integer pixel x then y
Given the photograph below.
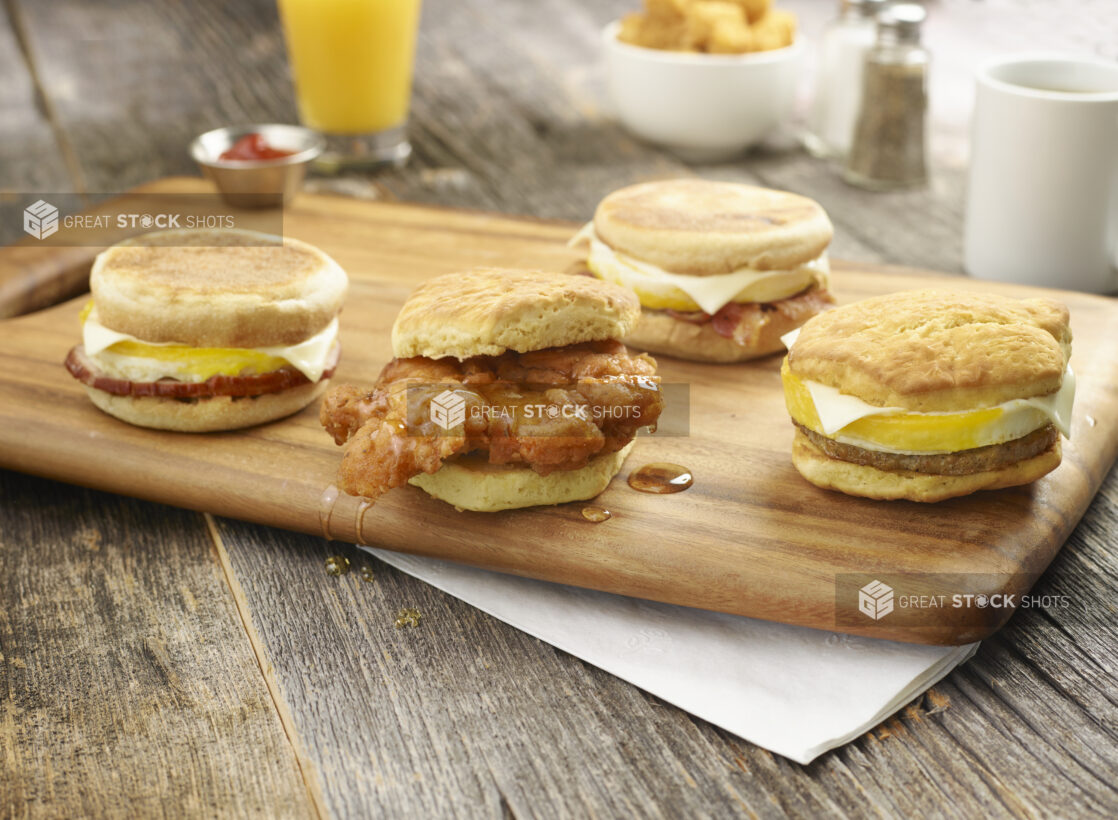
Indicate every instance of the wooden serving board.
{"type": "Point", "coordinates": [751, 537]}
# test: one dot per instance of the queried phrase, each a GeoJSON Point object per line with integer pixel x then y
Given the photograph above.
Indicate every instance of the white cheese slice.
{"type": "Point", "coordinates": [836, 409]}
{"type": "Point", "coordinates": [308, 357]}
{"type": "Point", "coordinates": [585, 234]}
{"type": "Point", "coordinates": [1057, 406]}
{"type": "Point", "coordinates": [711, 293]}
{"type": "Point", "coordinates": [96, 337]}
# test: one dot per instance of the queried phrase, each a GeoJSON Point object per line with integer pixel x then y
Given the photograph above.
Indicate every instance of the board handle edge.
{"type": "Point", "coordinates": [33, 278]}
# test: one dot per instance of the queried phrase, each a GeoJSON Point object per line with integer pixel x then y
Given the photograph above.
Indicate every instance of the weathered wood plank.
{"type": "Point", "coordinates": [464, 714]}
{"type": "Point", "coordinates": [509, 116]}
{"type": "Point", "coordinates": [29, 155]}
{"type": "Point", "coordinates": [127, 685]}
{"type": "Point", "coordinates": [133, 82]}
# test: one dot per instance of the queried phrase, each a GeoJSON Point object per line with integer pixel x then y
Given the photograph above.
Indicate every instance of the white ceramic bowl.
{"type": "Point", "coordinates": [703, 107]}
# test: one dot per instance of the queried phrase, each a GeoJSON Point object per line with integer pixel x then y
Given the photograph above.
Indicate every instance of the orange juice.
{"type": "Point", "coordinates": [352, 61]}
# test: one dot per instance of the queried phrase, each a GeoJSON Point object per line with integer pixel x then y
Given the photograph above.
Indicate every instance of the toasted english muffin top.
{"type": "Point", "coordinates": [703, 228]}
{"type": "Point", "coordinates": [217, 288]}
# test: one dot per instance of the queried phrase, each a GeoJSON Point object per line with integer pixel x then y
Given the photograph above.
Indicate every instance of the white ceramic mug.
{"type": "Point", "coordinates": [1042, 202]}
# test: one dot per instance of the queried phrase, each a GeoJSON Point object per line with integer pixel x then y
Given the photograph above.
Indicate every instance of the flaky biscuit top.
{"type": "Point", "coordinates": [937, 351]}
{"type": "Point", "coordinates": [487, 311]}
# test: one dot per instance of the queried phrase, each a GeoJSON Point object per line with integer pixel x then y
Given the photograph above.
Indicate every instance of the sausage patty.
{"type": "Point", "coordinates": [964, 462]}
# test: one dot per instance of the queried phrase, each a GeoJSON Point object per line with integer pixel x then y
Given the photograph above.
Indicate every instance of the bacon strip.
{"type": "Point", "coordinates": [85, 370]}
{"type": "Point", "coordinates": [742, 321]}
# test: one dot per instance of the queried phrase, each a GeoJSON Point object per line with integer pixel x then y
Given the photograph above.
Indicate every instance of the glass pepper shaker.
{"type": "Point", "coordinates": [889, 149]}
{"type": "Point", "coordinates": [838, 83]}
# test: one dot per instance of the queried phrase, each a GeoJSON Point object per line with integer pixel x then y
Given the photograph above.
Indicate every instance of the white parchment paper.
{"type": "Point", "coordinates": [796, 691]}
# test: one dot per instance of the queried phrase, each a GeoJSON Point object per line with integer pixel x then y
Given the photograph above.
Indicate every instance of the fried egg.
{"type": "Point", "coordinates": [123, 356]}
{"type": "Point", "coordinates": [850, 420]}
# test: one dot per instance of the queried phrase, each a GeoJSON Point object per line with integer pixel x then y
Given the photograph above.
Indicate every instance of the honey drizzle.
{"type": "Point", "coordinates": [326, 509]}
{"type": "Point", "coordinates": [359, 521]}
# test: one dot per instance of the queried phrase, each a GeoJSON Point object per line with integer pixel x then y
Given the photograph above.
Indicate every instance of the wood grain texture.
{"type": "Point", "coordinates": [133, 82]}
{"type": "Point", "coordinates": [29, 152]}
{"type": "Point", "coordinates": [1026, 729]}
{"type": "Point", "coordinates": [751, 537]}
{"type": "Point", "coordinates": [127, 685]}
{"type": "Point", "coordinates": [464, 715]}
{"type": "Point", "coordinates": [34, 277]}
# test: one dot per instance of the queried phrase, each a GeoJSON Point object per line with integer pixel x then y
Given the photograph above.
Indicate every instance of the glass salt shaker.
{"type": "Point", "coordinates": [889, 149]}
{"type": "Point", "coordinates": [838, 83]}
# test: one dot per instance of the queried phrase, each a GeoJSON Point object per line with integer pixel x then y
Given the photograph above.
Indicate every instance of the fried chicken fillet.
{"type": "Point", "coordinates": [600, 392]}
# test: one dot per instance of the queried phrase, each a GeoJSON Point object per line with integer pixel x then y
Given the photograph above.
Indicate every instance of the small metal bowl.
{"type": "Point", "coordinates": [257, 183]}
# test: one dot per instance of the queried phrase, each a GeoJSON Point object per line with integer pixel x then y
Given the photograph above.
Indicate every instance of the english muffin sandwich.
{"type": "Point", "coordinates": [509, 389]}
{"type": "Point", "coordinates": [200, 330]}
{"type": "Point", "coordinates": [927, 395]}
{"type": "Point", "coordinates": [722, 271]}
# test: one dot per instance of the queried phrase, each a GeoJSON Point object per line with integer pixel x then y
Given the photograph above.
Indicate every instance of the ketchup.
{"type": "Point", "coordinates": [253, 146]}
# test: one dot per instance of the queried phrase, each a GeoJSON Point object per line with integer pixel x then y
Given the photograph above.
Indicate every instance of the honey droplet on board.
{"type": "Point", "coordinates": [661, 477]}
{"type": "Point", "coordinates": [337, 565]}
{"type": "Point", "coordinates": [596, 514]}
{"type": "Point", "coordinates": [367, 574]}
{"type": "Point", "coordinates": [408, 616]}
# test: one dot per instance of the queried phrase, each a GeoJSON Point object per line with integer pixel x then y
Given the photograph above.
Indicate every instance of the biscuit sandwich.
{"type": "Point", "coordinates": [509, 388]}
{"type": "Point", "coordinates": [202, 330]}
{"type": "Point", "coordinates": [928, 395]}
{"type": "Point", "coordinates": [722, 271]}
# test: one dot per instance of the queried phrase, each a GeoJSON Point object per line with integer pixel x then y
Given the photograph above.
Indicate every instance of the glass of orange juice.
{"type": "Point", "coordinates": [352, 62]}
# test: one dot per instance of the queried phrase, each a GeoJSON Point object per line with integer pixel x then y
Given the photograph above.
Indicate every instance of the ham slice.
{"type": "Point", "coordinates": [84, 369]}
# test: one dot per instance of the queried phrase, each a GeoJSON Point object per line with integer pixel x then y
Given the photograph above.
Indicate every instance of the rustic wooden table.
{"type": "Point", "coordinates": [161, 662]}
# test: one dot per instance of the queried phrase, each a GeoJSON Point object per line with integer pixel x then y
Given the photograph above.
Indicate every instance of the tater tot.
{"type": "Point", "coordinates": [648, 32]}
{"type": "Point", "coordinates": [777, 29]}
{"type": "Point", "coordinates": [730, 37]}
{"type": "Point", "coordinates": [666, 9]}
{"type": "Point", "coordinates": [702, 17]}
{"type": "Point", "coordinates": [755, 9]}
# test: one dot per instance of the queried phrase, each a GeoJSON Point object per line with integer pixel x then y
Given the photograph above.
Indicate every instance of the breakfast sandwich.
{"type": "Point", "coordinates": [722, 271]}
{"type": "Point", "coordinates": [201, 330]}
{"type": "Point", "coordinates": [509, 389]}
{"type": "Point", "coordinates": [928, 395]}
